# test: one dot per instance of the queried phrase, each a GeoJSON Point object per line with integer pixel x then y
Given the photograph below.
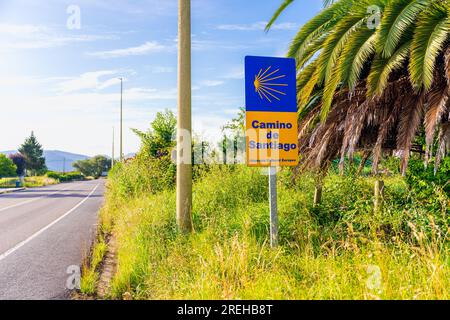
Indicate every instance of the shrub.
{"type": "Point", "coordinates": [142, 175]}
{"type": "Point", "coordinates": [65, 177]}
{"type": "Point", "coordinates": [20, 162]}
{"type": "Point", "coordinates": [324, 252]}
{"type": "Point", "coordinates": [7, 167]}
{"type": "Point", "coordinates": [93, 167]}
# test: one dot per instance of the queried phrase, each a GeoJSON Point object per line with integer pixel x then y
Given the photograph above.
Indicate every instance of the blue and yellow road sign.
{"type": "Point", "coordinates": [270, 84]}
{"type": "Point", "coordinates": [271, 111]}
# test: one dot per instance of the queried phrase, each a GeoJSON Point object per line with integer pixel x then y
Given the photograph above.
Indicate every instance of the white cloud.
{"type": "Point", "coordinates": [146, 48]}
{"type": "Point", "coordinates": [149, 94]}
{"type": "Point", "coordinates": [109, 83]}
{"type": "Point", "coordinates": [24, 29]}
{"type": "Point", "coordinates": [26, 36]}
{"type": "Point", "coordinates": [257, 26]}
{"type": "Point", "coordinates": [89, 80]}
{"type": "Point", "coordinates": [160, 69]}
{"type": "Point", "coordinates": [233, 112]}
{"type": "Point", "coordinates": [22, 81]}
{"type": "Point", "coordinates": [202, 45]}
{"type": "Point", "coordinates": [235, 74]}
{"type": "Point", "coordinates": [211, 83]}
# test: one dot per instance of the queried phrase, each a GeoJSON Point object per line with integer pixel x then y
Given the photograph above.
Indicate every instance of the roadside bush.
{"type": "Point", "coordinates": [142, 175]}
{"type": "Point", "coordinates": [39, 181]}
{"type": "Point", "coordinates": [65, 177]}
{"type": "Point", "coordinates": [93, 167]}
{"type": "Point", "coordinates": [325, 252]}
{"type": "Point", "coordinates": [7, 167]}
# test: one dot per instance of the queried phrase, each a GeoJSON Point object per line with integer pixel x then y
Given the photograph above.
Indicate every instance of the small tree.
{"type": "Point", "coordinates": [100, 164]}
{"type": "Point", "coordinates": [34, 155]}
{"type": "Point", "coordinates": [93, 167]}
{"type": "Point", "coordinates": [20, 162]}
{"type": "Point", "coordinates": [7, 167]}
{"type": "Point", "coordinates": [159, 139]}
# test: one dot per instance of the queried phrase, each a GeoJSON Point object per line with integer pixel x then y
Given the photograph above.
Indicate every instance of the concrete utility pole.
{"type": "Point", "coordinates": [121, 119]}
{"type": "Point", "coordinates": [184, 151]}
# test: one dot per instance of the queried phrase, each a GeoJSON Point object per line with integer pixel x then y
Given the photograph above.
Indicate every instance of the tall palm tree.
{"type": "Point", "coordinates": [369, 72]}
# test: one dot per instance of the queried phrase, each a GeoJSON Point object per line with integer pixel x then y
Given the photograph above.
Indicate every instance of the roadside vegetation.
{"type": "Point", "coordinates": [94, 167]}
{"type": "Point", "coordinates": [27, 167]}
{"type": "Point", "coordinates": [339, 249]}
{"type": "Point", "coordinates": [29, 182]}
{"type": "Point", "coordinates": [65, 177]}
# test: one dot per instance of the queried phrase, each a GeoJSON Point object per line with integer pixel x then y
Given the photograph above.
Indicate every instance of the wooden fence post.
{"type": "Point", "coordinates": [317, 195]}
{"type": "Point", "coordinates": [379, 195]}
{"type": "Point", "coordinates": [318, 190]}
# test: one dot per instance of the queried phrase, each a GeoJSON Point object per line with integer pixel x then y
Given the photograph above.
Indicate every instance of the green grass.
{"type": "Point", "coordinates": [90, 277]}
{"type": "Point", "coordinates": [30, 182]}
{"type": "Point", "coordinates": [8, 182]}
{"type": "Point", "coordinates": [339, 250]}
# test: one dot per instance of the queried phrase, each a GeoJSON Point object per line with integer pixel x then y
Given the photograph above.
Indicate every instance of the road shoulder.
{"type": "Point", "coordinates": [9, 190]}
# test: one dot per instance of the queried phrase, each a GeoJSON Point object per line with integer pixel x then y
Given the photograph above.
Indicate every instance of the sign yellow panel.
{"type": "Point", "coordinates": [271, 139]}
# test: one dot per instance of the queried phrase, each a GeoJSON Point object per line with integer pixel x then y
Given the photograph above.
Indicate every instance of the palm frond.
{"type": "Point", "coordinates": [320, 24]}
{"type": "Point", "coordinates": [443, 144]}
{"type": "Point", "coordinates": [330, 60]}
{"type": "Point", "coordinates": [305, 75]}
{"type": "Point", "coordinates": [433, 29]}
{"type": "Point", "coordinates": [370, 89]}
{"type": "Point", "coordinates": [382, 68]}
{"type": "Point", "coordinates": [383, 133]}
{"type": "Point", "coordinates": [398, 16]}
{"type": "Point", "coordinates": [408, 124]}
{"type": "Point", "coordinates": [305, 93]}
{"type": "Point", "coordinates": [357, 54]}
{"type": "Point", "coordinates": [310, 52]}
{"type": "Point", "coordinates": [277, 13]}
{"type": "Point", "coordinates": [437, 100]}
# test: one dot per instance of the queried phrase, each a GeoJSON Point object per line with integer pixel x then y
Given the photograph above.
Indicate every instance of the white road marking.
{"type": "Point", "coordinates": [21, 244]}
{"type": "Point", "coordinates": [33, 200]}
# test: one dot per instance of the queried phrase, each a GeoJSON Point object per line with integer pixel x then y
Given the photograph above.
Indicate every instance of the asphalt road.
{"type": "Point", "coordinates": [44, 232]}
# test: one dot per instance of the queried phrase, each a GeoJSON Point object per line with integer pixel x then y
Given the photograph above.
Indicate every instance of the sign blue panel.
{"type": "Point", "coordinates": [270, 84]}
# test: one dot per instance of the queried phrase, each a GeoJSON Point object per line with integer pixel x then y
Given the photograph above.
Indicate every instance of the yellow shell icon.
{"type": "Point", "coordinates": [267, 85]}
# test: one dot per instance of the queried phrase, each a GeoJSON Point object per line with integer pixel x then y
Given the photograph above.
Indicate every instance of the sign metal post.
{"type": "Point", "coordinates": [273, 207]}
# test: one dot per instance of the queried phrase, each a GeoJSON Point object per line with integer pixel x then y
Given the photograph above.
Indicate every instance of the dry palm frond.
{"type": "Point", "coordinates": [443, 144]}
{"type": "Point", "coordinates": [389, 121]}
{"type": "Point", "coordinates": [385, 128]}
{"type": "Point", "coordinates": [437, 105]}
{"type": "Point", "coordinates": [408, 124]}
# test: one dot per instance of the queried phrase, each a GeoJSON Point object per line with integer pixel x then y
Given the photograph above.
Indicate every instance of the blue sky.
{"type": "Point", "coordinates": [62, 82]}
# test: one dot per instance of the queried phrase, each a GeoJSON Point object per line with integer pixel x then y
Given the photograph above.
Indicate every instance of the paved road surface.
{"type": "Point", "coordinates": [44, 231]}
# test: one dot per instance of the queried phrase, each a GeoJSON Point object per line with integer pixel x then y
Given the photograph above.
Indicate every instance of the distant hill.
{"type": "Point", "coordinates": [130, 155]}
{"type": "Point", "coordinates": [57, 160]}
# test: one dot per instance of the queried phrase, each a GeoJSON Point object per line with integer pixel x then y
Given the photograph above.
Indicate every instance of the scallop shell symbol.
{"type": "Point", "coordinates": [268, 86]}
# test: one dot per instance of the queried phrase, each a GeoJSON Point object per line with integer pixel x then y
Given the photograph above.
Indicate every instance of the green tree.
{"type": "Point", "coordinates": [93, 167]}
{"type": "Point", "coordinates": [237, 125]}
{"type": "Point", "coordinates": [7, 167]}
{"type": "Point", "coordinates": [159, 139]}
{"type": "Point", "coordinates": [34, 155]}
{"type": "Point", "coordinates": [20, 162]}
{"type": "Point", "coordinates": [370, 71]}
